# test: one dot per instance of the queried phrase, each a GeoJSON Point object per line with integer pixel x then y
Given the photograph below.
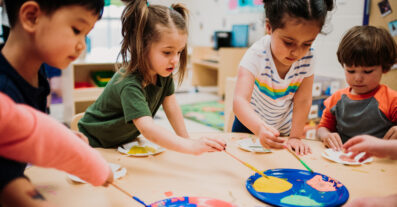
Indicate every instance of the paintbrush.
{"type": "Point", "coordinates": [131, 196]}
{"type": "Point", "coordinates": [246, 164]}
{"type": "Point", "coordinates": [296, 156]}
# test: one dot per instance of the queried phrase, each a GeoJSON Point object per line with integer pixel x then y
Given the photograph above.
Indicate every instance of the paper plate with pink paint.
{"type": "Point", "coordinates": [191, 202]}
{"type": "Point", "coordinates": [308, 189]}
{"type": "Point", "coordinates": [343, 158]}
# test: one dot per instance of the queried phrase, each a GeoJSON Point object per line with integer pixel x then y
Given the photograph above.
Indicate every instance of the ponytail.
{"type": "Point", "coordinates": [139, 29]}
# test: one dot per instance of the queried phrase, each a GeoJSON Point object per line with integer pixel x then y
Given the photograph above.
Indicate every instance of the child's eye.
{"type": "Point", "coordinates": [368, 72]}
{"type": "Point", "coordinates": [76, 31]}
{"type": "Point", "coordinates": [288, 43]}
{"type": "Point", "coordinates": [307, 44]}
{"type": "Point", "coordinates": [350, 71]}
{"type": "Point", "coordinates": [167, 53]}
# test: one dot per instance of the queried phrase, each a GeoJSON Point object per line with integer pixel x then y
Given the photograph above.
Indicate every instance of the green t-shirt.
{"type": "Point", "coordinates": [108, 122]}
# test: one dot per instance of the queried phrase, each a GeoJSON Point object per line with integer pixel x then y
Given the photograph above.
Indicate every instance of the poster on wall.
{"type": "Point", "coordinates": [246, 5]}
{"type": "Point", "coordinates": [384, 7]}
{"type": "Point", "coordinates": [393, 28]}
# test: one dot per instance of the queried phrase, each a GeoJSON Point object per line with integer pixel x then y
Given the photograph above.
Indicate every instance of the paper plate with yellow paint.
{"type": "Point", "coordinates": [293, 187]}
{"type": "Point", "coordinates": [140, 148]}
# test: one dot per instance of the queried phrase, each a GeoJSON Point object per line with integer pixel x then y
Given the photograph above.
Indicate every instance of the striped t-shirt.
{"type": "Point", "coordinates": [272, 97]}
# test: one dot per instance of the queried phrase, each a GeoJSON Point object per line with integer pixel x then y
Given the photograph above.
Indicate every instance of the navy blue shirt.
{"type": "Point", "coordinates": [13, 84]}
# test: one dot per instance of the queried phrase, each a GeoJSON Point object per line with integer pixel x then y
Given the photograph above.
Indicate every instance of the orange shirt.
{"type": "Point", "coordinates": [350, 115]}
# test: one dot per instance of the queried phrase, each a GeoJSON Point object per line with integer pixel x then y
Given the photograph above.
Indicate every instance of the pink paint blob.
{"type": "Point", "coordinates": [319, 184]}
{"type": "Point", "coordinates": [346, 158]}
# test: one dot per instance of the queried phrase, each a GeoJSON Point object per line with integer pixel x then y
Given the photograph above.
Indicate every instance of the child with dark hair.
{"type": "Point", "coordinates": [366, 106]}
{"type": "Point", "coordinates": [154, 45]}
{"type": "Point", "coordinates": [275, 77]}
{"type": "Point", "coordinates": [36, 29]}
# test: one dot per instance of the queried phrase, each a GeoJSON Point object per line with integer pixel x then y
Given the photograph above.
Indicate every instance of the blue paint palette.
{"type": "Point", "coordinates": [301, 194]}
{"type": "Point", "coordinates": [191, 202]}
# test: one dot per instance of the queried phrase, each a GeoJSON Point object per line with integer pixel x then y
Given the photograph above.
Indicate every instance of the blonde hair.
{"type": "Point", "coordinates": [140, 29]}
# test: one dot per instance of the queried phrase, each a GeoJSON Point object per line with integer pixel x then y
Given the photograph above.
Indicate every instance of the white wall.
{"type": "Point", "coordinates": [214, 15]}
{"type": "Point", "coordinates": [348, 13]}
{"type": "Point", "coordinates": [208, 16]}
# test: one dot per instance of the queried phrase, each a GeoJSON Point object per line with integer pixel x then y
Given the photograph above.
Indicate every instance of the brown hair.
{"type": "Point", "coordinates": [316, 10]}
{"type": "Point", "coordinates": [140, 29]}
{"type": "Point", "coordinates": [367, 46]}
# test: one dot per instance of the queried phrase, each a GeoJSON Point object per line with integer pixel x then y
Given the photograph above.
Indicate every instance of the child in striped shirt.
{"type": "Point", "coordinates": [275, 77]}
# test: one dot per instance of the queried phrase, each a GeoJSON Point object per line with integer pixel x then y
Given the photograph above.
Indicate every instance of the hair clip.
{"type": "Point", "coordinates": [147, 3]}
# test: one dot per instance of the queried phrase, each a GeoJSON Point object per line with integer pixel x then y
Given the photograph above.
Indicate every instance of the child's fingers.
{"type": "Point", "coordinates": [389, 134]}
{"type": "Point", "coordinates": [340, 144]}
{"type": "Point", "coordinates": [274, 131]}
{"type": "Point", "coordinates": [331, 143]}
{"type": "Point", "coordinates": [366, 156]}
{"type": "Point", "coordinates": [352, 142]}
{"type": "Point", "coordinates": [274, 144]}
{"type": "Point", "coordinates": [213, 144]}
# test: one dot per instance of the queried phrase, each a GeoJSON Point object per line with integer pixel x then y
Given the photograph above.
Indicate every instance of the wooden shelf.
{"type": "Point", "coordinates": [207, 64]}
{"type": "Point", "coordinates": [207, 73]}
{"type": "Point", "coordinates": [86, 94]}
{"type": "Point", "coordinates": [77, 100]}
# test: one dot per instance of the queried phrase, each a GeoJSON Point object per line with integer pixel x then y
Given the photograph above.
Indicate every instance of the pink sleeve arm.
{"type": "Point", "coordinates": [30, 136]}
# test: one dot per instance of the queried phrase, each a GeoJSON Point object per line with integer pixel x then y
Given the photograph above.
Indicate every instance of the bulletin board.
{"type": "Point", "coordinates": [382, 13]}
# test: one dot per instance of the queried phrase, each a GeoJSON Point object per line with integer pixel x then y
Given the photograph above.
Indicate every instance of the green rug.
{"type": "Point", "coordinates": [208, 113]}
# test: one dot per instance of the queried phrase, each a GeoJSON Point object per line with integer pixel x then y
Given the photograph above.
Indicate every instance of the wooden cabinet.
{"type": "Point", "coordinates": [77, 100]}
{"type": "Point", "coordinates": [211, 68]}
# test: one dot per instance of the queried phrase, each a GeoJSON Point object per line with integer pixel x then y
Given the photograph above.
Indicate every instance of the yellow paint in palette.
{"type": "Point", "coordinates": [141, 150]}
{"type": "Point", "coordinates": [271, 184]}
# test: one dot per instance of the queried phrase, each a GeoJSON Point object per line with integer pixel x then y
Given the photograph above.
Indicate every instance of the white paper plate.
{"type": "Point", "coordinates": [143, 143]}
{"type": "Point", "coordinates": [249, 145]}
{"type": "Point", "coordinates": [117, 170]}
{"type": "Point", "coordinates": [335, 156]}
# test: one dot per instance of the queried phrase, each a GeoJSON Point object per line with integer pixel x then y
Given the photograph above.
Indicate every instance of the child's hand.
{"type": "Point", "coordinates": [206, 144]}
{"type": "Point", "coordinates": [269, 137]}
{"type": "Point", "coordinates": [298, 146]}
{"type": "Point", "coordinates": [81, 136]}
{"type": "Point", "coordinates": [109, 179]}
{"type": "Point", "coordinates": [372, 146]}
{"type": "Point", "coordinates": [333, 141]}
{"type": "Point", "coordinates": [391, 134]}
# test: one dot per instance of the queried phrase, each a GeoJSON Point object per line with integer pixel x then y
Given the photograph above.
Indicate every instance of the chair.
{"type": "Point", "coordinates": [229, 93]}
{"type": "Point", "coordinates": [76, 118]}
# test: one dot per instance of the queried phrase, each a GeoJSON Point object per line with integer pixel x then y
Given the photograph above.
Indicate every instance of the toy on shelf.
{"type": "Point", "coordinates": [101, 78]}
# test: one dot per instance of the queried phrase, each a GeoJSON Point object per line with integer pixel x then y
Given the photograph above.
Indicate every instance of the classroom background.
{"type": "Point", "coordinates": [220, 32]}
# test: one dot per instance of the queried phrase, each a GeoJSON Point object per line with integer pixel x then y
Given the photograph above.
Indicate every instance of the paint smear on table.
{"type": "Point", "coordinates": [319, 184]}
{"type": "Point", "coordinates": [271, 185]}
{"type": "Point", "coordinates": [299, 200]}
{"type": "Point", "coordinates": [141, 150]}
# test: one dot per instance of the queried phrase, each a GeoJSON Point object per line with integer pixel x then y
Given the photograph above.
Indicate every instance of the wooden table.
{"type": "Point", "coordinates": [214, 175]}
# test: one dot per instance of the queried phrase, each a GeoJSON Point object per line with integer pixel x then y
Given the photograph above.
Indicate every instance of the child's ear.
{"type": "Point", "coordinates": [29, 15]}
{"type": "Point", "coordinates": [268, 27]}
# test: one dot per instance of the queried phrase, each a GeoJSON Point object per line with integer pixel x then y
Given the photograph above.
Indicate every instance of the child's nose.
{"type": "Point", "coordinates": [359, 77]}
{"type": "Point", "coordinates": [80, 45]}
